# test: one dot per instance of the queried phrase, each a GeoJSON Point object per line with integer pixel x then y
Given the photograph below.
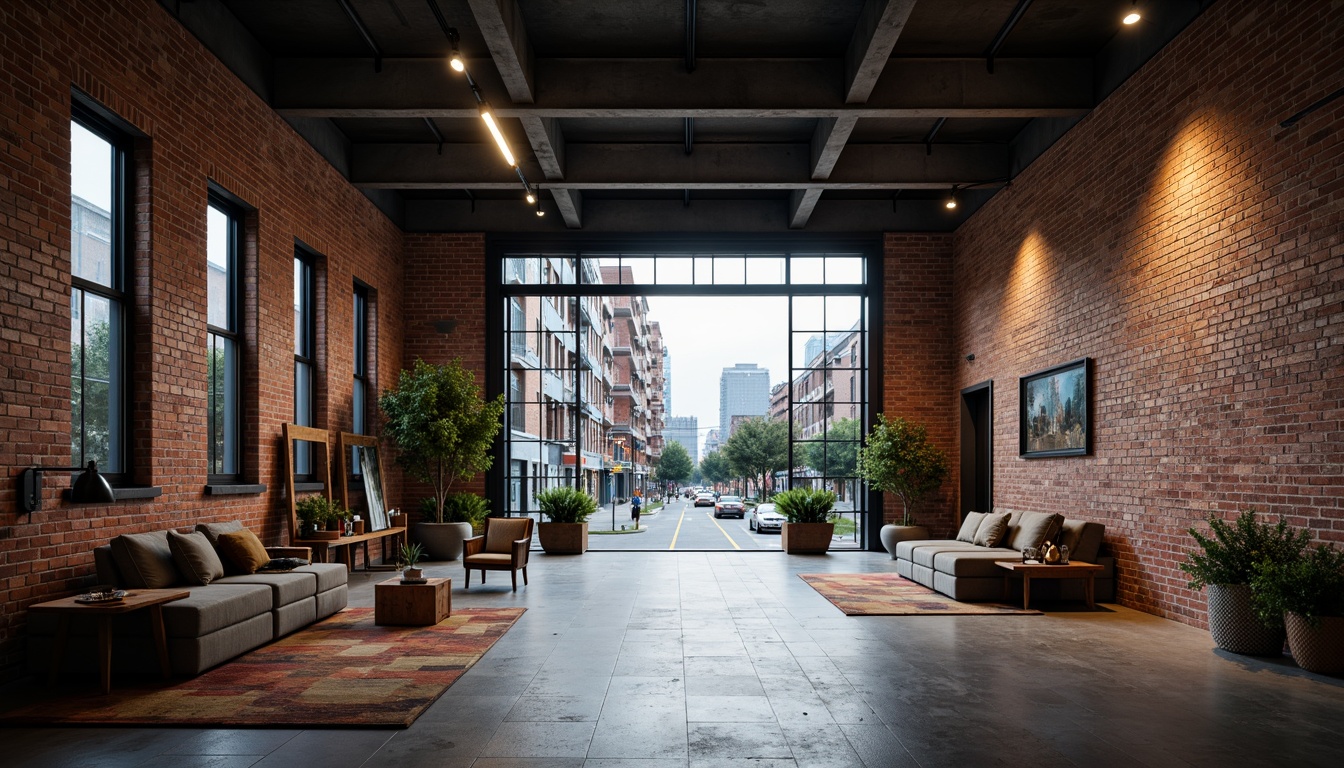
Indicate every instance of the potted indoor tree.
{"type": "Point", "coordinates": [1306, 596]}
{"type": "Point", "coordinates": [443, 429]}
{"type": "Point", "coordinates": [1226, 563]}
{"type": "Point", "coordinates": [810, 525]}
{"type": "Point", "coordinates": [567, 510]}
{"type": "Point", "coordinates": [899, 459]}
{"type": "Point", "coordinates": [462, 514]}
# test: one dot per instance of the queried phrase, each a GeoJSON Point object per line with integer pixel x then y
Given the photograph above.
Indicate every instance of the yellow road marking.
{"type": "Point", "coordinates": [677, 532]}
{"type": "Point", "coordinates": [725, 533]}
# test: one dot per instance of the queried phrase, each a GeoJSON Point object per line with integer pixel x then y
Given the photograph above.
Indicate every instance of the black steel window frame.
{"type": "Point", "coordinates": [499, 288]}
{"type": "Point", "coordinates": [361, 393]}
{"type": "Point", "coordinates": [233, 215]}
{"type": "Point", "coordinates": [91, 117]}
{"type": "Point", "coordinates": [304, 356]}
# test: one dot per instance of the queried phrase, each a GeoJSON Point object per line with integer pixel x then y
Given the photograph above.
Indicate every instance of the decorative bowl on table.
{"type": "Point", "coordinates": [102, 596]}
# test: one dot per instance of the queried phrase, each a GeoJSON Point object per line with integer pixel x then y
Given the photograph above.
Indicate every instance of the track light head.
{"type": "Point", "coordinates": [1133, 16]}
{"type": "Point", "coordinates": [456, 62]}
{"type": "Point", "coordinates": [540, 212]}
{"type": "Point", "coordinates": [531, 198]}
{"type": "Point", "coordinates": [951, 203]}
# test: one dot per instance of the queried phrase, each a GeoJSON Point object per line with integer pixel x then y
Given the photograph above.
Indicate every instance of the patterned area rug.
{"type": "Point", "coordinates": [886, 594]}
{"type": "Point", "coordinates": [343, 671]}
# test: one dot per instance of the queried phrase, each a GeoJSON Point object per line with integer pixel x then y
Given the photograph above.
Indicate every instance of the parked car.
{"type": "Point", "coordinates": [704, 499]}
{"type": "Point", "coordinates": [730, 506]}
{"type": "Point", "coordinates": [765, 518]}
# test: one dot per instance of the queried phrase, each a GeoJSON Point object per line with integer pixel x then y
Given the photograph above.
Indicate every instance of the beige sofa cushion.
{"type": "Point", "coordinates": [213, 531]}
{"type": "Point", "coordinates": [286, 588]}
{"type": "Point", "coordinates": [991, 530]}
{"type": "Point", "coordinates": [195, 559]}
{"type": "Point", "coordinates": [976, 563]}
{"type": "Point", "coordinates": [210, 609]}
{"type": "Point", "coordinates": [1031, 529]}
{"type": "Point", "coordinates": [1083, 539]}
{"type": "Point", "coordinates": [969, 526]}
{"type": "Point", "coordinates": [145, 561]}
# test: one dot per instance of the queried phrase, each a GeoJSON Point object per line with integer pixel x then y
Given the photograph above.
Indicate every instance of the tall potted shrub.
{"type": "Point", "coordinates": [443, 429]}
{"type": "Point", "coordinates": [810, 525]}
{"type": "Point", "coordinates": [566, 530]}
{"type": "Point", "coordinates": [1226, 563]}
{"type": "Point", "coordinates": [1306, 594]}
{"type": "Point", "coordinates": [899, 459]}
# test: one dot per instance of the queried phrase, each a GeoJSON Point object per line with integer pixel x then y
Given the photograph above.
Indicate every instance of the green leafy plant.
{"type": "Point", "coordinates": [564, 504]}
{"type": "Point", "coordinates": [1310, 585]}
{"type": "Point", "coordinates": [442, 426]}
{"type": "Point", "coordinates": [900, 460]}
{"type": "Point", "coordinates": [1235, 550]}
{"type": "Point", "coordinates": [805, 505]}
{"type": "Point", "coordinates": [315, 511]}
{"type": "Point", "coordinates": [409, 554]}
{"type": "Point", "coordinates": [462, 507]}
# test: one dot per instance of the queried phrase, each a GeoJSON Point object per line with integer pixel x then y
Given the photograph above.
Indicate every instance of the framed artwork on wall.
{"type": "Point", "coordinates": [1055, 411]}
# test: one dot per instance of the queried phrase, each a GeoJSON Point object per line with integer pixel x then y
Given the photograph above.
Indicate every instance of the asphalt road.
{"type": "Point", "coordinates": [680, 526]}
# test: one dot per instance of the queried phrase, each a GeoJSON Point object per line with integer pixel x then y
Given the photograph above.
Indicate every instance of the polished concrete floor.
{"type": "Point", "coordinates": [659, 660]}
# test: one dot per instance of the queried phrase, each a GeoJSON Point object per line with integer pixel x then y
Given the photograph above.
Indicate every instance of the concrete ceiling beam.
{"type": "Point", "coordinates": [726, 88]}
{"type": "Point", "coordinates": [501, 24]}
{"type": "Point", "coordinates": [666, 166]}
{"type": "Point", "coordinates": [880, 24]}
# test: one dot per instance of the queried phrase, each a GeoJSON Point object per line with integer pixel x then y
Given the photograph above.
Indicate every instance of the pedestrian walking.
{"type": "Point", "coordinates": [635, 503]}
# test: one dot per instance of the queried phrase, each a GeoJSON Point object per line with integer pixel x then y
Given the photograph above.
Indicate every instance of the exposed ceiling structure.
{"type": "Point", "coordinates": [683, 115]}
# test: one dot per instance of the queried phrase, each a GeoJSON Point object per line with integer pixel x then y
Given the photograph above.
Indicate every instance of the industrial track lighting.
{"type": "Point", "coordinates": [531, 198]}
{"type": "Point", "coordinates": [951, 203]}
{"type": "Point", "coordinates": [489, 118]}
{"type": "Point", "coordinates": [1133, 16]}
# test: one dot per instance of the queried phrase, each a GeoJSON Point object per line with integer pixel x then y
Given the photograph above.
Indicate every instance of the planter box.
{"type": "Point", "coordinates": [563, 538]}
{"type": "Point", "coordinates": [807, 538]}
{"type": "Point", "coordinates": [1319, 649]}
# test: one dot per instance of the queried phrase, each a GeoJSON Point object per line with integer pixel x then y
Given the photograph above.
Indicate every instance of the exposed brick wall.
{"type": "Point", "coordinates": [1195, 250]}
{"type": "Point", "coordinates": [445, 311]}
{"type": "Point", "coordinates": [919, 358]}
{"type": "Point", "coordinates": [200, 124]}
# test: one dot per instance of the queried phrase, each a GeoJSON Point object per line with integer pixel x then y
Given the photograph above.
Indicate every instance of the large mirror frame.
{"type": "Point", "coordinates": [370, 470]}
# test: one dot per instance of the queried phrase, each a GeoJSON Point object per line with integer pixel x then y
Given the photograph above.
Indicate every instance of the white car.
{"type": "Point", "coordinates": [765, 518]}
{"type": "Point", "coordinates": [704, 499]}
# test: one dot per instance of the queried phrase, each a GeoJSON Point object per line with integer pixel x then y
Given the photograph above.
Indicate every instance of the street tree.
{"type": "Point", "coordinates": [714, 467]}
{"type": "Point", "coordinates": [758, 449]}
{"type": "Point", "coordinates": [836, 453]}
{"type": "Point", "coordinates": [675, 466]}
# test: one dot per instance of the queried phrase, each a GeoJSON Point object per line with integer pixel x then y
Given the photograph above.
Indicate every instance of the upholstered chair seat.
{"type": "Point", "coordinates": [503, 547]}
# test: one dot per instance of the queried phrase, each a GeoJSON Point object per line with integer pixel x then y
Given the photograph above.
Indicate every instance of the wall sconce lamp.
{"type": "Point", "coordinates": [1133, 16]}
{"type": "Point", "coordinates": [89, 488]}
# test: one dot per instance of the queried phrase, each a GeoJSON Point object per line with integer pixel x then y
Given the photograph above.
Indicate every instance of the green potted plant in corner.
{"type": "Point", "coordinates": [462, 515]}
{"type": "Point", "coordinates": [567, 510]}
{"type": "Point", "coordinates": [408, 557]}
{"type": "Point", "coordinates": [899, 459]}
{"type": "Point", "coordinates": [810, 525]}
{"type": "Point", "coordinates": [316, 513]}
{"type": "Point", "coordinates": [443, 429]}
{"type": "Point", "coordinates": [1306, 596]}
{"type": "Point", "coordinates": [1226, 563]}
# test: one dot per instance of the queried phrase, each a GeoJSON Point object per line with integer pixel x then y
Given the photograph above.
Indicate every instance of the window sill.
{"type": "Point", "coordinates": [126, 494]}
{"type": "Point", "coordinates": [234, 489]}
{"type": "Point", "coordinates": [306, 487]}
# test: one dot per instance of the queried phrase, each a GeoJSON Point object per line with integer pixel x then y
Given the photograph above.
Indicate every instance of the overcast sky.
{"type": "Point", "coordinates": [705, 335]}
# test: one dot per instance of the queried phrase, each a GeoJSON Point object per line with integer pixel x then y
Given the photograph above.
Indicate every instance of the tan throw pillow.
{"type": "Point", "coordinates": [991, 530]}
{"type": "Point", "coordinates": [145, 561]}
{"type": "Point", "coordinates": [244, 550]}
{"type": "Point", "coordinates": [195, 558]}
{"type": "Point", "coordinates": [969, 526]}
{"type": "Point", "coordinates": [1032, 529]}
{"type": "Point", "coordinates": [213, 531]}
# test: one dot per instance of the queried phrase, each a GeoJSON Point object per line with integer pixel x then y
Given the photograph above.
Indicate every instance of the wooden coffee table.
{"type": "Point", "coordinates": [1073, 570]}
{"type": "Point", "coordinates": [135, 600]}
{"type": "Point", "coordinates": [414, 605]}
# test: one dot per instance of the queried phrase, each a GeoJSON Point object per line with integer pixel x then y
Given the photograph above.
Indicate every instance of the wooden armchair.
{"type": "Point", "coordinates": [503, 547]}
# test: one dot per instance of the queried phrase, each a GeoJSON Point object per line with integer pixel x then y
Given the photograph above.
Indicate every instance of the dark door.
{"type": "Point", "coordinates": [977, 448]}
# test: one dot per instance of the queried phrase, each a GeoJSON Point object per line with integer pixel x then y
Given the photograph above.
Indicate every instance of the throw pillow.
{"type": "Point", "coordinates": [991, 530]}
{"type": "Point", "coordinates": [145, 561]}
{"type": "Point", "coordinates": [969, 526]}
{"type": "Point", "coordinates": [195, 558]}
{"type": "Point", "coordinates": [244, 550]}
{"type": "Point", "coordinates": [213, 531]}
{"type": "Point", "coordinates": [1032, 529]}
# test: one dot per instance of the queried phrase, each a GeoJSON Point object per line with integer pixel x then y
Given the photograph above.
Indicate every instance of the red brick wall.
{"type": "Point", "coordinates": [1195, 250]}
{"type": "Point", "coordinates": [919, 358]}
{"type": "Point", "coordinates": [445, 316]}
{"type": "Point", "coordinates": [201, 125]}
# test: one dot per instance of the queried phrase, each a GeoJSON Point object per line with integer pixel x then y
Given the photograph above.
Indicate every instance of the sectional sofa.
{"type": "Point", "coordinates": [964, 568]}
{"type": "Point", "coordinates": [222, 618]}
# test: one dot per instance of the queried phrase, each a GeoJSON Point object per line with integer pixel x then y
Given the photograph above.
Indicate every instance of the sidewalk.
{"type": "Point", "coordinates": [601, 519]}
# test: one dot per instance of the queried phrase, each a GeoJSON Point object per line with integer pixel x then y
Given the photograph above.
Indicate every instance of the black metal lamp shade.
{"type": "Point", "coordinates": [89, 488]}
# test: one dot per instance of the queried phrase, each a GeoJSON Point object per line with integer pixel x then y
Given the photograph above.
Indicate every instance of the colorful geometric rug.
{"type": "Point", "coordinates": [886, 594]}
{"type": "Point", "coordinates": [343, 671]}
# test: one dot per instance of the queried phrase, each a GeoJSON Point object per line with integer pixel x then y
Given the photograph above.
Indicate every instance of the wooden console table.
{"type": "Point", "coordinates": [135, 600]}
{"type": "Point", "coordinates": [345, 546]}
{"type": "Point", "coordinates": [1033, 570]}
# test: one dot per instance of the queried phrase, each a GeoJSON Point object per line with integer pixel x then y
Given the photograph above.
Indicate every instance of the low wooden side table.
{"type": "Point", "coordinates": [412, 605]}
{"type": "Point", "coordinates": [135, 600]}
{"type": "Point", "coordinates": [1073, 570]}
